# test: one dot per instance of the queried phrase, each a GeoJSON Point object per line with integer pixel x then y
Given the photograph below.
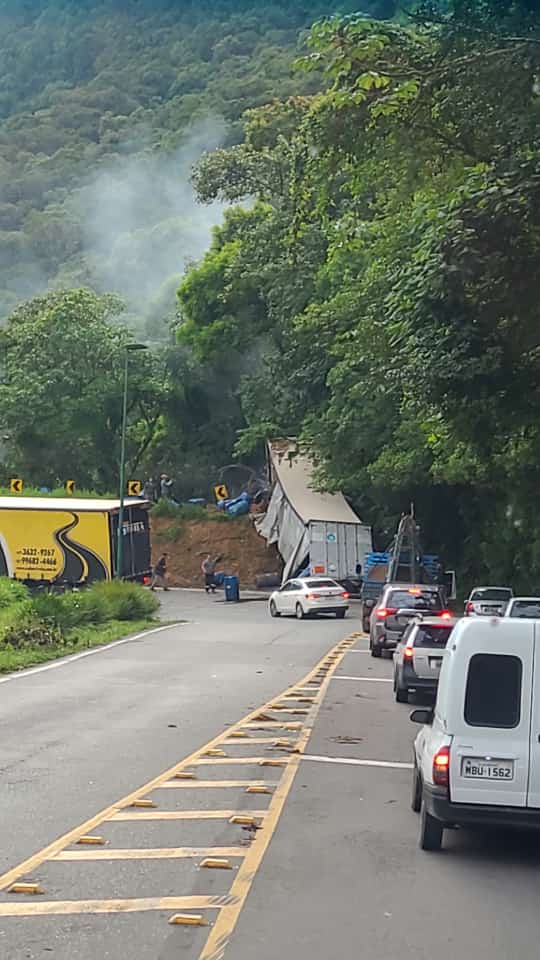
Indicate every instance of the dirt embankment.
{"type": "Point", "coordinates": [242, 550]}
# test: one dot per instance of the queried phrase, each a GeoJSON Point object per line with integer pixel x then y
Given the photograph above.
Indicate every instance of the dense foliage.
{"type": "Point", "coordinates": [104, 105]}
{"type": "Point", "coordinates": [381, 294]}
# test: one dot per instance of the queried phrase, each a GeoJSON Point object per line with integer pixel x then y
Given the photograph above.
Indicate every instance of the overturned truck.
{"type": "Point", "coordinates": [315, 533]}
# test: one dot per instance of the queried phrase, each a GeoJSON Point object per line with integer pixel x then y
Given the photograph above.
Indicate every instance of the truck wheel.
{"type": "Point", "coordinates": [416, 800]}
{"type": "Point", "coordinates": [300, 612]}
{"type": "Point", "coordinates": [431, 831]}
{"type": "Point", "coordinates": [274, 612]}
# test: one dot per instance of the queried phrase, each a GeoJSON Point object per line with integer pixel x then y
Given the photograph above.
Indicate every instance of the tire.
{"type": "Point", "coordinates": [416, 799]}
{"type": "Point", "coordinates": [365, 624]}
{"type": "Point", "coordinates": [300, 615]}
{"type": "Point", "coordinates": [274, 612]}
{"type": "Point", "coordinates": [431, 831]}
{"type": "Point", "coordinates": [340, 614]}
{"type": "Point", "coordinates": [375, 650]}
{"type": "Point", "coordinates": [402, 695]}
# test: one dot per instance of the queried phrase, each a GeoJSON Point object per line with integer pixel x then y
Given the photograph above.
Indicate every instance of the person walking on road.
{"type": "Point", "coordinates": [159, 573]}
{"type": "Point", "coordinates": [208, 567]}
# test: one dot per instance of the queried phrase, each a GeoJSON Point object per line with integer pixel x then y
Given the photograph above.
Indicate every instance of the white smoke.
{"type": "Point", "coordinates": [141, 223]}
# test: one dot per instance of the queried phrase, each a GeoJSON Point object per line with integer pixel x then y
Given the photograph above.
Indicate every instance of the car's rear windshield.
{"type": "Point", "coordinates": [493, 693]}
{"type": "Point", "coordinates": [431, 636]}
{"type": "Point", "coordinates": [419, 600]}
{"type": "Point", "coordinates": [492, 593]}
{"type": "Point", "coordinates": [525, 609]}
{"type": "Point", "coordinates": [317, 584]}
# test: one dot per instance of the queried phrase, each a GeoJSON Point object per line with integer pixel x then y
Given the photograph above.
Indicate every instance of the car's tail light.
{"type": "Point", "coordinates": [345, 596]}
{"type": "Point", "coordinates": [312, 596]}
{"type": "Point", "coordinates": [384, 612]}
{"type": "Point", "coordinates": [445, 614]}
{"type": "Point", "coordinates": [441, 767]}
{"type": "Point", "coordinates": [408, 653]}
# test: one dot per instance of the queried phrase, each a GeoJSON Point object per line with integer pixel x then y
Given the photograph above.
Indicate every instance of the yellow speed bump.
{"type": "Point", "coordinates": [188, 920]}
{"type": "Point", "coordinates": [258, 789]}
{"type": "Point", "coordinates": [214, 753]}
{"type": "Point", "coordinates": [91, 841]}
{"type": "Point", "coordinates": [143, 803]}
{"type": "Point", "coordinates": [237, 735]}
{"type": "Point", "coordinates": [30, 887]}
{"type": "Point", "coordinates": [283, 743]}
{"type": "Point", "coordinates": [244, 821]}
{"type": "Point", "coordinates": [185, 775]}
{"type": "Point", "coordinates": [215, 863]}
{"type": "Point", "coordinates": [273, 763]}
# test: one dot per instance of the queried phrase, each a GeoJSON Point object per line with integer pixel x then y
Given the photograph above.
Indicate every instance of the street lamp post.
{"type": "Point", "coordinates": [130, 348]}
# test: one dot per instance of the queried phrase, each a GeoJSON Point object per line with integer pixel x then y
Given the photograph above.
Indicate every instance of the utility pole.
{"type": "Point", "coordinates": [130, 348]}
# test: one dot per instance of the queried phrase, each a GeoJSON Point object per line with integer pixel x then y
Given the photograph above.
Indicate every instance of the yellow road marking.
{"type": "Point", "coordinates": [207, 784]}
{"type": "Point", "coordinates": [181, 815]}
{"type": "Point", "coordinates": [165, 853]}
{"type": "Point", "coordinates": [51, 908]}
{"type": "Point", "coordinates": [226, 760]}
{"type": "Point", "coordinates": [124, 810]}
{"type": "Point", "coordinates": [249, 740]}
{"type": "Point", "coordinates": [227, 918]}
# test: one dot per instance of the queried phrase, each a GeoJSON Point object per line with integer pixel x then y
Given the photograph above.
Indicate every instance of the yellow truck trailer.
{"type": "Point", "coordinates": [72, 541]}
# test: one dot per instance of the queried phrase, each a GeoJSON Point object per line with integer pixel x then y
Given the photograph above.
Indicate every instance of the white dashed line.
{"type": "Point", "coordinates": [393, 765]}
{"type": "Point", "coordinates": [365, 679]}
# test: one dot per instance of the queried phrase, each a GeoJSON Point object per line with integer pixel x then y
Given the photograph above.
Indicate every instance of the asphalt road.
{"type": "Point", "coordinates": [77, 737]}
{"type": "Point", "coordinates": [342, 874]}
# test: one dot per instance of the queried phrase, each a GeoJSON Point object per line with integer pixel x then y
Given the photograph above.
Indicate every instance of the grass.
{"type": "Point", "coordinates": [80, 638]}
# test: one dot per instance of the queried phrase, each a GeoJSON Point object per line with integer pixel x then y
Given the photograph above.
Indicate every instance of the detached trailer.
{"type": "Point", "coordinates": [315, 533]}
{"type": "Point", "coordinates": [71, 541]}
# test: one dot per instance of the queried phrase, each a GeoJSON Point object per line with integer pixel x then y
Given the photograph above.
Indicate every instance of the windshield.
{"type": "Point", "coordinates": [492, 593]}
{"type": "Point", "coordinates": [525, 609]}
{"type": "Point", "coordinates": [317, 584]}
{"type": "Point", "coordinates": [431, 636]}
{"type": "Point", "coordinates": [419, 600]}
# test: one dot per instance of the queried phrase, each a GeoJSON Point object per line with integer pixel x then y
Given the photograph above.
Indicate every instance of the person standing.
{"type": "Point", "coordinates": [208, 567]}
{"type": "Point", "coordinates": [149, 490]}
{"type": "Point", "coordinates": [159, 573]}
{"type": "Point", "coordinates": [165, 486]}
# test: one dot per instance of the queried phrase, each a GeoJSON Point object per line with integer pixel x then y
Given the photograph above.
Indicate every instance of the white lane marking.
{"type": "Point", "coordinates": [365, 679]}
{"type": "Point", "coordinates": [394, 765]}
{"type": "Point", "coordinates": [55, 664]}
{"type": "Point", "coordinates": [357, 651]}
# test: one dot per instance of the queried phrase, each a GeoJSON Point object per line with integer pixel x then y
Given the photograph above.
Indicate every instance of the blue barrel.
{"type": "Point", "coordinates": [232, 589]}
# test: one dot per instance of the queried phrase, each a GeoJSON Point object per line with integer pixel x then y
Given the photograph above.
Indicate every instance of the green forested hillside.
{"type": "Point", "coordinates": [104, 106]}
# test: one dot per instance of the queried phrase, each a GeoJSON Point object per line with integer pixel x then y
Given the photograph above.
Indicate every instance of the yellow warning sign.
{"type": "Point", "coordinates": [134, 488]}
{"type": "Point", "coordinates": [16, 485]}
{"type": "Point", "coordinates": [221, 492]}
{"type": "Point", "coordinates": [70, 486]}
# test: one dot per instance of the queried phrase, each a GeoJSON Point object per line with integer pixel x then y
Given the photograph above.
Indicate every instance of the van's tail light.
{"type": "Point", "coordinates": [408, 653]}
{"type": "Point", "coordinates": [445, 614]}
{"type": "Point", "coordinates": [470, 607]}
{"type": "Point", "coordinates": [441, 767]}
{"type": "Point", "coordinates": [384, 612]}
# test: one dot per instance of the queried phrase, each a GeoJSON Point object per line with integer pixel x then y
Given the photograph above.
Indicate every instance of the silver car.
{"type": "Point", "coordinates": [418, 656]}
{"type": "Point", "coordinates": [488, 601]}
{"type": "Point", "coordinates": [398, 604]}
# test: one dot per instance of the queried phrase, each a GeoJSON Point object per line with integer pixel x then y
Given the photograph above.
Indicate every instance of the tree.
{"type": "Point", "coordinates": [61, 390]}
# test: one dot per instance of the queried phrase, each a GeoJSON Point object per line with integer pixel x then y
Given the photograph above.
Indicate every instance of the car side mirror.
{"type": "Point", "coordinates": [422, 716]}
{"type": "Point", "coordinates": [369, 603]}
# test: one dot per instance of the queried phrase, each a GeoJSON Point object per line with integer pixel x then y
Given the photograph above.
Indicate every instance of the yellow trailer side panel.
{"type": "Point", "coordinates": [55, 544]}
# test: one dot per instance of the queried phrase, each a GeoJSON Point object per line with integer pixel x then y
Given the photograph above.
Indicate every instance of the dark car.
{"type": "Point", "coordinates": [398, 604]}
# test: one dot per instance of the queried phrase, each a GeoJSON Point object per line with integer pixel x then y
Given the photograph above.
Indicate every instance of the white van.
{"type": "Point", "coordinates": [477, 757]}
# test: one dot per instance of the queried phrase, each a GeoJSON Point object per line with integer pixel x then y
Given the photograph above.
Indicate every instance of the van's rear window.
{"type": "Point", "coordinates": [493, 694]}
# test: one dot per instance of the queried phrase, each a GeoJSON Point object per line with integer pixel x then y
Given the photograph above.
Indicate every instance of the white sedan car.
{"type": "Point", "coordinates": [309, 597]}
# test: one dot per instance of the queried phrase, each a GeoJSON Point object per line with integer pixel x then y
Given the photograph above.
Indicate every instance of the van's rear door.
{"type": "Point", "coordinates": [489, 758]}
{"type": "Point", "coordinates": [534, 771]}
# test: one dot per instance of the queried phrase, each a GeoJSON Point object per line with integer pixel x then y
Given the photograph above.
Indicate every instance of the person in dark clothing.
{"type": "Point", "coordinates": [208, 567]}
{"type": "Point", "coordinates": [159, 573]}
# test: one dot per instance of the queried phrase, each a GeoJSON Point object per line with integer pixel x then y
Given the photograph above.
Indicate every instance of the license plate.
{"type": "Point", "coordinates": [474, 768]}
{"type": "Point", "coordinates": [435, 663]}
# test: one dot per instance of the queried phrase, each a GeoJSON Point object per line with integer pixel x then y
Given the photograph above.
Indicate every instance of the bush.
{"type": "Point", "coordinates": [126, 601]}
{"type": "Point", "coordinates": [34, 635]}
{"type": "Point", "coordinates": [165, 508]}
{"type": "Point", "coordinates": [11, 592]}
{"type": "Point", "coordinates": [70, 610]}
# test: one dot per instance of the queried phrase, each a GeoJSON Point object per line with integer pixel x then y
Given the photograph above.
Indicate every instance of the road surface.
{"type": "Point", "coordinates": [334, 869]}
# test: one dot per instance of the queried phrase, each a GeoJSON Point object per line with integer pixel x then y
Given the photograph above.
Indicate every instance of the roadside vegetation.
{"type": "Point", "coordinates": [35, 627]}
